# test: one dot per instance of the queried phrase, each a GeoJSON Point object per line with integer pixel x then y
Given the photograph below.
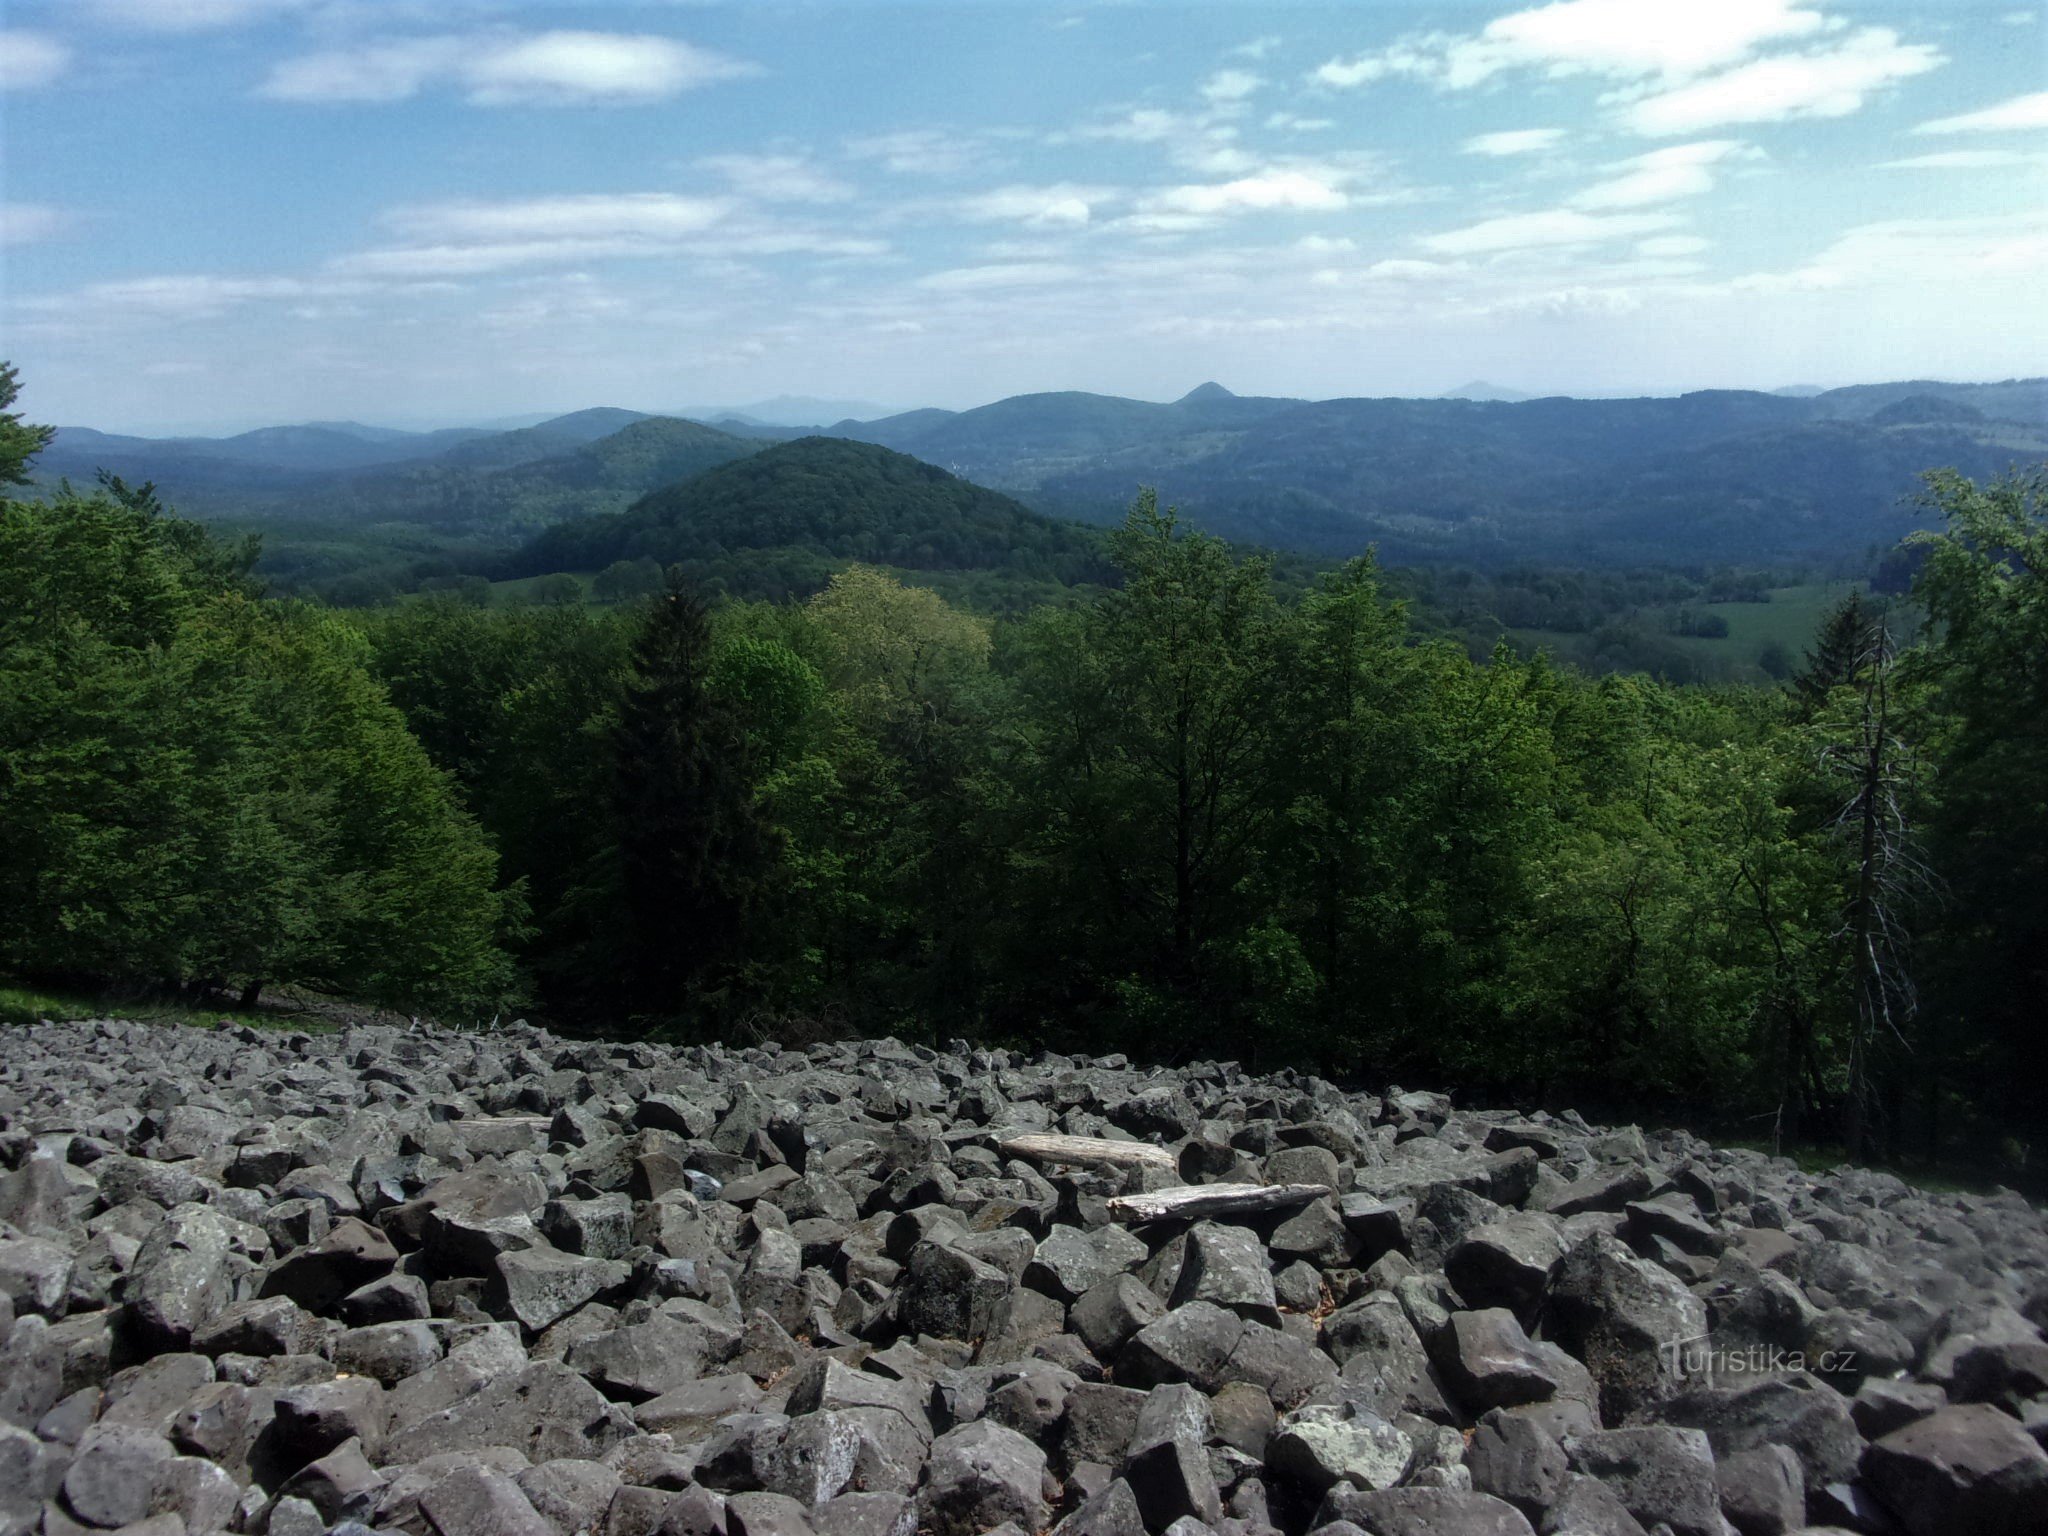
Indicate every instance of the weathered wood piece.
{"type": "Point", "coordinates": [1043, 1147]}
{"type": "Point", "coordinates": [1201, 1200]}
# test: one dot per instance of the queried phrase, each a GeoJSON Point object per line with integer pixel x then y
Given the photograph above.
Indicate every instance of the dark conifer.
{"type": "Point", "coordinates": [695, 858]}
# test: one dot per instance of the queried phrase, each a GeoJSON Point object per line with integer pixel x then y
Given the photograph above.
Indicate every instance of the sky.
{"type": "Point", "coordinates": [221, 213]}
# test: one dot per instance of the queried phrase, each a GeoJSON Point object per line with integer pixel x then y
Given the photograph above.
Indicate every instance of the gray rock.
{"type": "Point", "coordinates": [566, 1493]}
{"type": "Point", "coordinates": [1625, 1319]}
{"type": "Point", "coordinates": [1966, 1468]}
{"type": "Point", "coordinates": [1321, 1445]}
{"type": "Point", "coordinates": [1763, 1492]}
{"type": "Point", "coordinates": [981, 1475]}
{"type": "Point", "coordinates": [1112, 1512]}
{"type": "Point", "coordinates": [951, 1295]}
{"type": "Point", "coordinates": [112, 1479]}
{"type": "Point", "coordinates": [1514, 1458]}
{"type": "Point", "coordinates": [1109, 1314]}
{"type": "Point", "coordinates": [475, 1501]}
{"type": "Point", "coordinates": [1421, 1512]}
{"type": "Point", "coordinates": [542, 1285]}
{"type": "Point", "coordinates": [1227, 1266]}
{"type": "Point", "coordinates": [1660, 1474]}
{"type": "Point", "coordinates": [183, 1275]}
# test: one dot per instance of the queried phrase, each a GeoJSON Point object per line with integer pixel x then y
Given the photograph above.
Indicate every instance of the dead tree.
{"type": "Point", "coordinates": [1881, 770]}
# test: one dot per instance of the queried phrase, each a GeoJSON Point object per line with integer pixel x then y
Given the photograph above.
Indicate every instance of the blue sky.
{"type": "Point", "coordinates": [224, 212]}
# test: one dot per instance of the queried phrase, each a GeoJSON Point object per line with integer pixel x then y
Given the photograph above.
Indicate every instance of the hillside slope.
{"type": "Point", "coordinates": [830, 498]}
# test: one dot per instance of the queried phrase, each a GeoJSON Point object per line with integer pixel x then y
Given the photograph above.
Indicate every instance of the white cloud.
{"type": "Point", "coordinates": [1201, 142]}
{"type": "Point", "coordinates": [1421, 60]}
{"type": "Point", "coordinates": [29, 60]}
{"type": "Point", "coordinates": [1227, 86]}
{"type": "Point", "coordinates": [1257, 48]}
{"type": "Point", "coordinates": [376, 72]}
{"type": "Point", "coordinates": [474, 238]}
{"type": "Point", "coordinates": [1919, 253]}
{"type": "Point", "coordinates": [1553, 228]}
{"type": "Point", "coordinates": [1291, 122]}
{"type": "Point", "coordinates": [1623, 39]}
{"type": "Point", "coordinates": [1634, 38]}
{"type": "Point", "coordinates": [2021, 112]}
{"type": "Point", "coordinates": [1825, 82]}
{"type": "Point", "coordinates": [189, 296]}
{"type": "Point", "coordinates": [917, 152]}
{"type": "Point", "coordinates": [1270, 191]}
{"type": "Point", "coordinates": [26, 223]}
{"type": "Point", "coordinates": [778, 178]}
{"type": "Point", "coordinates": [1966, 160]}
{"type": "Point", "coordinates": [660, 215]}
{"type": "Point", "coordinates": [506, 69]}
{"type": "Point", "coordinates": [1514, 141]}
{"type": "Point", "coordinates": [1664, 175]}
{"type": "Point", "coordinates": [188, 15]}
{"type": "Point", "coordinates": [475, 260]}
{"type": "Point", "coordinates": [1012, 274]}
{"type": "Point", "coordinates": [1062, 205]}
{"type": "Point", "coordinates": [1658, 247]}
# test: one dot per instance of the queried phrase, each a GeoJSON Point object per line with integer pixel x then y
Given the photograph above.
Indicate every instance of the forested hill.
{"type": "Point", "coordinates": [830, 500]}
{"type": "Point", "coordinates": [1716, 475]}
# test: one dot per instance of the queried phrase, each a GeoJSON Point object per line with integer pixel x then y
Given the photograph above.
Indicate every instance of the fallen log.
{"type": "Point", "coordinates": [1200, 1200]}
{"type": "Point", "coordinates": [1042, 1147]}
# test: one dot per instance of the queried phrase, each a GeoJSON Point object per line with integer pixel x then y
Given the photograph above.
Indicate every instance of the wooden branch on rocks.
{"type": "Point", "coordinates": [1201, 1200]}
{"type": "Point", "coordinates": [1046, 1148]}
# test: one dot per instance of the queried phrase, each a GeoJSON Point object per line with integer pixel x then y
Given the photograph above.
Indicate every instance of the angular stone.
{"type": "Point", "coordinates": [1112, 1512]}
{"type": "Point", "coordinates": [113, 1477]}
{"type": "Point", "coordinates": [1109, 1315]}
{"type": "Point", "coordinates": [183, 1275]}
{"type": "Point", "coordinates": [1320, 1446]}
{"type": "Point", "coordinates": [1810, 1419]}
{"type": "Point", "coordinates": [1505, 1262]}
{"type": "Point", "coordinates": [1660, 1474]}
{"type": "Point", "coordinates": [981, 1475]}
{"type": "Point", "coordinates": [388, 1352]}
{"type": "Point", "coordinates": [1384, 1363]}
{"type": "Point", "coordinates": [1513, 1457]}
{"type": "Point", "coordinates": [1966, 1468]}
{"type": "Point", "coordinates": [566, 1493]}
{"type": "Point", "coordinates": [688, 1412]}
{"type": "Point", "coordinates": [351, 1255]}
{"type": "Point", "coordinates": [544, 1411]}
{"type": "Point", "coordinates": [951, 1295]}
{"type": "Point", "coordinates": [1625, 1319]}
{"type": "Point", "coordinates": [1604, 1189]}
{"type": "Point", "coordinates": [476, 1501]}
{"type": "Point", "coordinates": [315, 1419]}
{"type": "Point", "coordinates": [541, 1286]}
{"type": "Point", "coordinates": [644, 1360]}
{"type": "Point", "coordinates": [1421, 1512]}
{"type": "Point", "coordinates": [1227, 1266]}
{"type": "Point", "coordinates": [1491, 1363]}
{"type": "Point", "coordinates": [1763, 1492]}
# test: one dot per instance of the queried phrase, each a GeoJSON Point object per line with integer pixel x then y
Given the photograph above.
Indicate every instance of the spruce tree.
{"type": "Point", "coordinates": [1841, 652]}
{"type": "Point", "coordinates": [696, 861]}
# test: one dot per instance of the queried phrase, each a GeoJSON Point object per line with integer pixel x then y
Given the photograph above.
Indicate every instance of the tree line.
{"type": "Point", "coordinates": [1188, 814]}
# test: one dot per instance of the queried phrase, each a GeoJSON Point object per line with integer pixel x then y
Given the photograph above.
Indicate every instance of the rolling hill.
{"type": "Point", "coordinates": [813, 504]}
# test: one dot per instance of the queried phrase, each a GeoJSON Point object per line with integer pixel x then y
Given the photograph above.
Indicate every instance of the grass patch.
{"type": "Point", "coordinates": [24, 1004]}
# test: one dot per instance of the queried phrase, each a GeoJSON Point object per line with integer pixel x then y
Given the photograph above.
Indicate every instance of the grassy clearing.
{"type": "Point", "coordinates": [24, 1004]}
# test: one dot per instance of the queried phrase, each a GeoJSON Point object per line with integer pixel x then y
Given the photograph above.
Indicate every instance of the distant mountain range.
{"type": "Point", "coordinates": [1721, 476]}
